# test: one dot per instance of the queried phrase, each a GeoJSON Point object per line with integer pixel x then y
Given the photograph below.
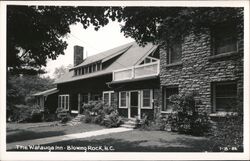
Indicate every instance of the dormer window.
{"type": "Point", "coordinates": [224, 39]}
{"type": "Point", "coordinates": [88, 69]}
{"type": "Point", "coordinates": [174, 52]}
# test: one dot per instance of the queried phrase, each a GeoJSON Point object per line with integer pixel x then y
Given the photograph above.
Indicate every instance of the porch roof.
{"type": "Point", "coordinates": [47, 92]}
{"type": "Point", "coordinates": [132, 80]}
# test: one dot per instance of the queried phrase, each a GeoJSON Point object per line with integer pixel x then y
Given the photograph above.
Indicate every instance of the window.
{"type": "Point", "coordinates": [112, 98]}
{"type": "Point", "coordinates": [86, 70]}
{"type": "Point", "coordinates": [109, 97]}
{"type": "Point", "coordinates": [96, 96]}
{"type": "Point", "coordinates": [167, 92]}
{"type": "Point", "coordinates": [123, 100]}
{"type": "Point", "coordinates": [224, 39]}
{"type": "Point", "coordinates": [63, 101]}
{"type": "Point", "coordinates": [224, 96]}
{"type": "Point", "coordinates": [85, 98]}
{"type": "Point", "coordinates": [94, 67]}
{"type": "Point", "coordinates": [174, 52]}
{"type": "Point", "coordinates": [147, 96]}
{"type": "Point", "coordinates": [82, 71]}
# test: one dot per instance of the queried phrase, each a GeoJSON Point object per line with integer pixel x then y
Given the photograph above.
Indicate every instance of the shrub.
{"type": "Point", "coordinates": [36, 115]}
{"type": "Point", "coordinates": [186, 118]}
{"type": "Point", "coordinates": [227, 135]}
{"type": "Point", "coordinates": [112, 119]}
{"type": "Point", "coordinates": [98, 113]}
{"type": "Point", "coordinates": [63, 115]}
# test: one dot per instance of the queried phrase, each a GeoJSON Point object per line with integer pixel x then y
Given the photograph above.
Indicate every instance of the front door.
{"type": "Point", "coordinates": [134, 104]}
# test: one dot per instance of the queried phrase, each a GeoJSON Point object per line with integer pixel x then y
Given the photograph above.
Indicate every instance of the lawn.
{"type": "Point", "coordinates": [141, 141]}
{"type": "Point", "coordinates": [27, 131]}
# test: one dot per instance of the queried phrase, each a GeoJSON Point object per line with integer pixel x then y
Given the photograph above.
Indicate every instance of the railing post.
{"type": "Point", "coordinates": [133, 72]}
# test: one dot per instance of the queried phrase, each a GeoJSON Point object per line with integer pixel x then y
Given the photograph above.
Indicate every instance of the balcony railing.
{"type": "Point", "coordinates": [139, 71]}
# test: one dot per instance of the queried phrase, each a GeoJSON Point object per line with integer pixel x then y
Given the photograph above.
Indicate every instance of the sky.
{"type": "Point", "coordinates": [94, 42]}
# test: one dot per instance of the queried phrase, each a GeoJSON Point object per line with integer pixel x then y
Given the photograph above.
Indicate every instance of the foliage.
{"type": "Point", "coordinates": [60, 71]}
{"type": "Point", "coordinates": [112, 120]}
{"type": "Point", "coordinates": [99, 113]}
{"type": "Point", "coordinates": [151, 24]}
{"type": "Point", "coordinates": [20, 89]}
{"type": "Point", "coordinates": [227, 134]}
{"type": "Point", "coordinates": [35, 32]}
{"type": "Point", "coordinates": [63, 115]}
{"type": "Point", "coordinates": [24, 113]}
{"type": "Point", "coordinates": [186, 118]}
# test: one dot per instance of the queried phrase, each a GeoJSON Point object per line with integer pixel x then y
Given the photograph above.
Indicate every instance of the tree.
{"type": "Point", "coordinates": [61, 71]}
{"type": "Point", "coordinates": [34, 33]}
{"type": "Point", "coordinates": [20, 88]}
{"type": "Point", "coordinates": [165, 24]}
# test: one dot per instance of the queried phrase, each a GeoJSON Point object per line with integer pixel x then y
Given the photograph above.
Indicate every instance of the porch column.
{"type": "Point", "coordinates": [79, 102]}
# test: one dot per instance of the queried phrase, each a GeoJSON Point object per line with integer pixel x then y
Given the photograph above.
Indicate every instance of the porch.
{"type": "Point", "coordinates": [137, 72]}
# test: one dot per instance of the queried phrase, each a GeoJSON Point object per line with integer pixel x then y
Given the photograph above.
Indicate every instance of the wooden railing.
{"type": "Point", "coordinates": [139, 71]}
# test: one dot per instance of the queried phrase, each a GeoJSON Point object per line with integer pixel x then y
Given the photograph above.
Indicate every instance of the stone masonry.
{"type": "Point", "coordinates": [198, 68]}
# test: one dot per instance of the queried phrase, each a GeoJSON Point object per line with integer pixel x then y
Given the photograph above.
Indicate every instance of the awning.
{"type": "Point", "coordinates": [47, 92]}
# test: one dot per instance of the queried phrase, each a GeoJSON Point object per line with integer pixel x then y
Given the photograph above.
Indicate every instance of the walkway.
{"type": "Point", "coordinates": [54, 139]}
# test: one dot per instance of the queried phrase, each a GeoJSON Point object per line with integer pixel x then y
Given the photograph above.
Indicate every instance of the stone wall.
{"type": "Point", "coordinates": [199, 68]}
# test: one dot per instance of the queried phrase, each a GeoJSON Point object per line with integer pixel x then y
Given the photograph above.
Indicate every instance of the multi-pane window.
{"type": "Point", "coordinates": [63, 101]}
{"type": "Point", "coordinates": [167, 92]}
{"type": "Point", "coordinates": [224, 39]}
{"type": "Point", "coordinates": [174, 52]}
{"type": "Point", "coordinates": [112, 98]}
{"type": "Point", "coordinates": [224, 96]}
{"type": "Point", "coordinates": [85, 98]}
{"type": "Point", "coordinates": [146, 98]}
{"type": "Point", "coordinates": [123, 100]}
{"type": "Point", "coordinates": [109, 98]}
{"type": "Point", "coordinates": [106, 98]}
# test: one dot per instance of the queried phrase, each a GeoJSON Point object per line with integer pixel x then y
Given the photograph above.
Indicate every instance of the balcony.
{"type": "Point", "coordinates": [139, 71]}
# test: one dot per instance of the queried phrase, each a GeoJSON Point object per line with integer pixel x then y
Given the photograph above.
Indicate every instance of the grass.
{"type": "Point", "coordinates": [27, 131]}
{"type": "Point", "coordinates": [142, 141]}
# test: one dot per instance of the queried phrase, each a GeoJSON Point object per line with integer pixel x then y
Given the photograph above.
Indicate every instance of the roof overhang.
{"type": "Point", "coordinates": [133, 80]}
{"type": "Point", "coordinates": [47, 92]}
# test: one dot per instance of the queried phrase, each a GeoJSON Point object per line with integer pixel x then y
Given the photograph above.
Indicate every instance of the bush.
{"type": "Point", "coordinates": [186, 118]}
{"type": "Point", "coordinates": [99, 113]}
{"type": "Point", "coordinates": [112, 120]}
{"type": "Point", "coordinates": [63, 115]}
{"type": "Point", "coordinates": [24, 113]}
{"type": "Point", "coordinates": [227, 134]}
{"type": "Point", "coordinates": [36, 115]}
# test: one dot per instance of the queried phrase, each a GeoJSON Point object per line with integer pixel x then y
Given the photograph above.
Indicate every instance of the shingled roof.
{"type": "Point", "coordinates": [131, 54]}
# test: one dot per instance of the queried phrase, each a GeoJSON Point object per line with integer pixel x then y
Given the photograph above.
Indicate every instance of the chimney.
{"type": "Point", "coordinates": [78, 55]}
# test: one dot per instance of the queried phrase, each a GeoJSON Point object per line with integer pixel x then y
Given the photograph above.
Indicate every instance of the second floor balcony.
{"type": "Point", "coordinates": [139, 71]}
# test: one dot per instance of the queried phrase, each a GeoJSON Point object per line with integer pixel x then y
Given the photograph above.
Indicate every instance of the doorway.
{"type": "Point", "coordinates": [134, 104]}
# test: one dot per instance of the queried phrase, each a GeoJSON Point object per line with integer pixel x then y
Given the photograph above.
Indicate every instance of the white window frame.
{"type": "Point", "coordinates": [151, 99]}
{"type": "Point", "coordinates": [63, 104]}
{"type": "Point", "coordinates": [125, 101]}
{"type": "Point", "coordinates": [109, 94]}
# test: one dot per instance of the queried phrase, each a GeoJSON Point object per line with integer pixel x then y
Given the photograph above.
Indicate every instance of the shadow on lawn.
{"type": "Point", "coordinates": [22, 135]}
{"type": "Point", "coordinates": [120, 145]}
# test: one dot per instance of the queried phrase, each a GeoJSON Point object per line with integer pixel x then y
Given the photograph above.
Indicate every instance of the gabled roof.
{"type": "Point", "coordinates": [47, 92]}
{"type": "Point", "coordinates": [130, 56]}
{"type": "Point", "coordinates": [106, 55]}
